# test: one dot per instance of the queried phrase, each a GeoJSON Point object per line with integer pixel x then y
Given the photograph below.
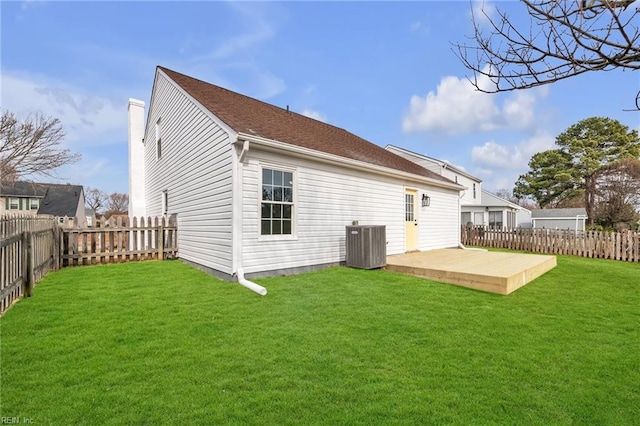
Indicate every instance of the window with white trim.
{"type": "Point", "coordinates": [35, 204]}
{"type": "Point", "coordinates": [465, 218]}
{"type": "Point", "coordinates": [14, 204]}
{"type": "Point", "coordinates": [474, 191]}
{"type": "Point", "coordinates": [495, 219]}
{"type": "Point", "coordinates": [277, 203]}
{"type": "Point", "coordinates": [158, 140]}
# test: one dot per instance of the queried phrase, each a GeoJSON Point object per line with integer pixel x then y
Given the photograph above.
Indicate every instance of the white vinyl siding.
{"type": "Point", "coordinates": [328, 198]}
{"type": "Point", "coordinates": [439, 224]}
{"type": "Point", "coordinates": [196, 172]}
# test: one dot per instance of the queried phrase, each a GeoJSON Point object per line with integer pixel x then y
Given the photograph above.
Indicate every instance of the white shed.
{"type": "Point", "coordinates": [574, 218]}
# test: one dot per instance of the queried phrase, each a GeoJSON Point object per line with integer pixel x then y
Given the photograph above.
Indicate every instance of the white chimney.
{"type": "Point", "coordinates": [137, 205]}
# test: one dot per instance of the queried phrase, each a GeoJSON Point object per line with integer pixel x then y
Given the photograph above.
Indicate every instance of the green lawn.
{"type": "Point", "coordinates": [161, 342]}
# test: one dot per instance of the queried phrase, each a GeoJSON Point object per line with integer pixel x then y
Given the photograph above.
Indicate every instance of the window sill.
{"type": "Point", "coordinates": [270, 238]}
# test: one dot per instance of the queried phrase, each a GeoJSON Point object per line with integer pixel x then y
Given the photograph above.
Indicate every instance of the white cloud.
{"type": "Point", "coordinates": [314, 114]}
{"type": "Point", "coordinates": [493, 155]}
{"type": "Point", "coordinates": [88, 119]}
{"type": "Point", "coordinates": [499, 165]}
{"type": "Point", "coordinates": [456, 107]}
{"type": "Point", "coordinates": [483, 12]}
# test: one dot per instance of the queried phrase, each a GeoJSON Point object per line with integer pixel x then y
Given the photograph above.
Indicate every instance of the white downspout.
{"type": "Point", "coordinates": [250, 284]}
{"type": "Point", "coordinates": [238, 231]}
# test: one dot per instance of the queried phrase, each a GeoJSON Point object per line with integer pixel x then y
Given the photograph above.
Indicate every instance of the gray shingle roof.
{"type": "Point", "coordinates": [553, 213]}
{"type": "Point", "coordinates": [23, 189]}
{"type": "Point", "coordinates": [253, 117]}
{"type": "Point", "coordinates": [57, 199]}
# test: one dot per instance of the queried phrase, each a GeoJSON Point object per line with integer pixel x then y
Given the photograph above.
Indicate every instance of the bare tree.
{"type": "Point", "coordinates": [564, 39]}
{"type": "Point", "coordinates": [619, 193]}
{"type": "Point", "coordinates": [95, 199]}
{"type": "Point", "coordinates": [31, 146]}
{"type": "Point", "coordinates": [117, 203]}
{"type": "Point", "coordinates": [508, 195]}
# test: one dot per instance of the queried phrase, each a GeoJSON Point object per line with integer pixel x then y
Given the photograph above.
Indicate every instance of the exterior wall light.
{"type": "Point", "coordinates": [426, 200]}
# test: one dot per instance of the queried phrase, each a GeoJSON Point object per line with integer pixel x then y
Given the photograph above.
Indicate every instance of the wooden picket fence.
{"type": "Point", "coordinates": [624, 246]}
{"type": "Point", "coordinates": [119, 240]}
{"type": "Point", "coordinates": [31, 246]}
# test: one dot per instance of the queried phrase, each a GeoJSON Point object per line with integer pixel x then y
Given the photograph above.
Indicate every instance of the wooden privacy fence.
{"type": "Point", "coordinates": [31, 246]}
{"type": "Point", "coordinates": [623, 246]}
{"type": "Point", "coordinates": [119, 240]}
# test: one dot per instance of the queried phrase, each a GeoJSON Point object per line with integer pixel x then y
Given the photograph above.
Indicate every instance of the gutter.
{"type": "Point", "coordinates": [324, 157]}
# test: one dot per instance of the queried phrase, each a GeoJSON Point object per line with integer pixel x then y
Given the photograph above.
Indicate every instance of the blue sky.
{"type": "Point", "coordinates": [382, 70]}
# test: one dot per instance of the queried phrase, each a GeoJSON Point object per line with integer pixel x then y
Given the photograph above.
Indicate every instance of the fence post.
{"type": "Point", "coordinates": [56, 248]}
{"type": "Point", "coordinates": [161, 240]}
{"type": "Point", "coordinates": [29, 277]}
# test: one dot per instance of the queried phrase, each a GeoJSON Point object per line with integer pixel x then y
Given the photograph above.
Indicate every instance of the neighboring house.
{"type": "Point", "coordinates": [496, 212]}
{"type": "Point", "coordinates": [90, 216]}
{"type": "Point", "coordinates": [260, 189]}
{"type": "Point", "coordinates": [42, 198]}
{"type": "Point", "coordinates": [574, 219]}
{"type": "Point", "coordinates": [471, 196]}
{"type": "Point", "coordinates": [478, 206]}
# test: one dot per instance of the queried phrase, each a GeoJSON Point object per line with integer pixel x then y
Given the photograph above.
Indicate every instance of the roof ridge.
{"type": "Point", "coordinates": [287, 110]}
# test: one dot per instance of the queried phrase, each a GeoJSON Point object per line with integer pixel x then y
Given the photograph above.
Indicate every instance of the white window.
{"type": "Point", "coordinates": [474, 191]}
{"type": "Point", "coordinates": [165, 202]}
{"type": "Point", "coordinates": [495, 219]}
{"type": "Point", "coordinates": [14, 204]}
{"type": "Point", "coordinates": [466, 218]}
{"type": "Point", "coordinates": [35, 204]}
{"type": "Point", "coordinates": [478, 218]}
{"type": "Point", "coordinates": [158, 140]}
{"type": "Point", "coordinates": [277, 202]}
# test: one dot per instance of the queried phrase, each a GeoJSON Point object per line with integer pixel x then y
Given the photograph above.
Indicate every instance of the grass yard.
{"type": "Point", "coordinates": [161, 342]}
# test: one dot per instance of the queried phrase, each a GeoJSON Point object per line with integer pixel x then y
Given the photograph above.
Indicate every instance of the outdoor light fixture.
{"type": "Point", "coordinates": [426, 200]}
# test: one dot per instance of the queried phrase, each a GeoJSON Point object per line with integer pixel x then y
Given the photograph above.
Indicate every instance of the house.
{"type": "Point", "coordinates": [262, 190]}
{"type": "Point", "coordinates": [42, 198]}
{"type": "Point", "coordinates": [496, 212]}
{"type": "Point", "coordinates": [478, 206]}
{"type": "Point", "coordinates": [90, 216]}
{"type": "Point", "coordinates": [574, 218]}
